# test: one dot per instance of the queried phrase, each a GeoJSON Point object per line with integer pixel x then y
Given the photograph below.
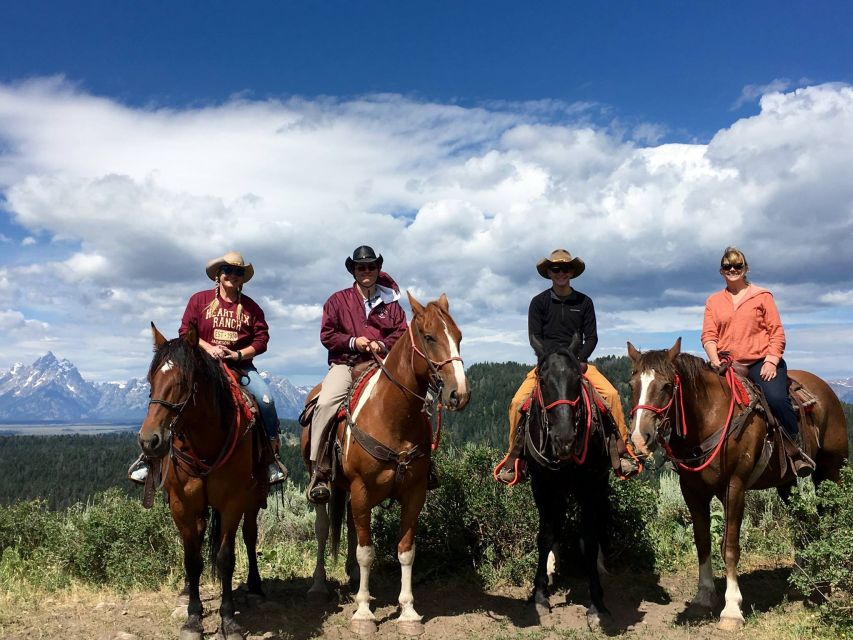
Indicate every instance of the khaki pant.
{"type": "Point", "coordinates": [336, 386]}
{"type": "Point", "coordinates": [598, 381]}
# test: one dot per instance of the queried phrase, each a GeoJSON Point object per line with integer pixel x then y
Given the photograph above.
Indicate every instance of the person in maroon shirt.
{"type": "Point", "coordinates": [359, 321]}
{"type": "Point", "coordinates": [231, 327]}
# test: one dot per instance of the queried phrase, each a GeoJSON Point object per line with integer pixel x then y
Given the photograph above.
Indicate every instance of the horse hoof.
{"type": "Point", "coordinates": [730, 624]}
{"type": "Point", "coordinates": [410, 627]}
{"type": "Point", "coordinates": [543, 612]}
{"type": "Point", "coordinates": [363, 627]}
{"type": "Point", "coordinates": [593, 620]}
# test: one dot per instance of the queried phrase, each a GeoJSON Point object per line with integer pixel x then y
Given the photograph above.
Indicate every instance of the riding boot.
{"type": "Point", "coordinates": [276, 471]}
{"type": "Point", "coordinates": [319, 489]}
{"type": "Point", "coordinates": [802, 464]}
{"type": "Point", "coordinates": [138, 471]}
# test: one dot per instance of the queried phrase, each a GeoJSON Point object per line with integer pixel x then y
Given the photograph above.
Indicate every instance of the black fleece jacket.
{"type": "Point", "coordinates": [555, 321]}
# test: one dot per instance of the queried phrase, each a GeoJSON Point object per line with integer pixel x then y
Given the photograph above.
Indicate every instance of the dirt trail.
{"type": "Point", "coordinates": [641, 605]}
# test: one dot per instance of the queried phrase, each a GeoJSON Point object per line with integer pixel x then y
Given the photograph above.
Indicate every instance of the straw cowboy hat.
{"type": "Point", "coordinates": [363, 255]}
{"type": "Point", "coordinates": [560, 256]}
{"type": "Point", "coordinates": [233, 259]}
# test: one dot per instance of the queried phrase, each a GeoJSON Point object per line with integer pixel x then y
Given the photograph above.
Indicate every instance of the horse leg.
{"type": "Point", "coordinates": [591, 498]}
{"type": "Point", "coordinates": [551, 511]}
{"type": "Point", "coordinates": [250, 539]}
{"type": "Point", "coordinates": [319, 591]}
{"type": "Point", "coordinates": [409, 622]}
{"type": "Point", "coordinates": [229, 628]}
{"type": "Point", "coordinates": [699, 504]}
{"type": "Point", "coordinates": [731, 617]}
{"type": "Point", "coordinates": [363, 621]}
{"type": "Point", "coordinates": [351, 565]}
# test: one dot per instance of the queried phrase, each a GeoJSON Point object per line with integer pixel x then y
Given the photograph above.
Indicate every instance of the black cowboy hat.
{"type": "Point", "coordinates": [363, 255]}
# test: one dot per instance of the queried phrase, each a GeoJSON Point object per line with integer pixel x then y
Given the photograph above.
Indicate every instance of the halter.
{"type": "Point", "coordinates": [177, 407]}
{"type": "Point", "coordinates": [572, 403]}
{"type": "Point", "coordinates": [678, 390]}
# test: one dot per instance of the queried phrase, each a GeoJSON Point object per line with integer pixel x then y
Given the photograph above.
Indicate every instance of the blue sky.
{"type": "Point", "coordinates": [139, 140]}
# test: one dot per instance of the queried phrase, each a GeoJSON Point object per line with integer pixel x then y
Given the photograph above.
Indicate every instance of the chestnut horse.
{"type": "Point", "coordinates": [681, 393]}
{"type": "Point", "coordinates": [194, 427]}
{"type": "Point", "coordinates": [385, 453]}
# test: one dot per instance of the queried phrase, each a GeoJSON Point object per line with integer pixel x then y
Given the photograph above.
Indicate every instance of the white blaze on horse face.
{"type": "Point", "coordinates": [646, 379]}
{"type": "Point", "coordinates": [458, 369]}
{"type": "Point", "coordinates": [167, 366]}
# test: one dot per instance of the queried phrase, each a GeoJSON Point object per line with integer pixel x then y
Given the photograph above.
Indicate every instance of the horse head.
{"type": "Point", "coordinates": [436, 337]}
{"type": "Point", "coordinates": [653, 382]}
{"type": "Point", "coordinates": [559, 395]}
{"type": "Point", "coordinates": [173, 386]}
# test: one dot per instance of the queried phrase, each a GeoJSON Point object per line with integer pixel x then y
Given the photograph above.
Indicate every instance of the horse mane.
{"type": "Point", "coordinates": [689, 367]}
{"type": "Point", "coordinates": [559, 350]}
{"type": "Point", "coordinates": [194, 367]}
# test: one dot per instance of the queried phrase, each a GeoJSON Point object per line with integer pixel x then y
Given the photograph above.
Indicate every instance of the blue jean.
{"type": "Point", "coordinates": [252, 382]}
{"type": "Point", "coordinates": [776, 392]}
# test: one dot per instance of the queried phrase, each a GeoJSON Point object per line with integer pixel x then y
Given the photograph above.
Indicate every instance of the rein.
{"type": "Point", "coordinates": [540, 457]}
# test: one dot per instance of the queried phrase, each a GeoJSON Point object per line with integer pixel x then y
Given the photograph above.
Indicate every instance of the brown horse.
{"type": "Point", "coordinates": [385, 453]}
{"type": "Point", "coordinates": [207, 461]}
{"type": "Point", "coordinates": [681, 393]}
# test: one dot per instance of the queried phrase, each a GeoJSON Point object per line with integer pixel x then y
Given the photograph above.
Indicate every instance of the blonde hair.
{"type": "Point", "coordinates": [210, 309]}
{"type": "Point", "coordinates": [734, 252]}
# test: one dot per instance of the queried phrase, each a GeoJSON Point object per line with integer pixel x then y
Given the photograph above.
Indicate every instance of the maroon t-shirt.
{"type": "Point", "coordinates": [221, 325]}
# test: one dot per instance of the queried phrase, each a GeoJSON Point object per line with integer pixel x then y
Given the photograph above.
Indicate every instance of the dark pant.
{"type": "Point", "coordinates": [776, 392]}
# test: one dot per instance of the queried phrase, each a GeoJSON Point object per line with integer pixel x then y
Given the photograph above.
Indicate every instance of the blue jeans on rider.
{"type": "Point", "coordinates": [252, 382]}
{"type": "Point", "coordinates": [776, 392]}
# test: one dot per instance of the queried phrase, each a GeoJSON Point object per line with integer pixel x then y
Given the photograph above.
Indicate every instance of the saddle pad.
{"type": "Point", "coordinates": [356, 393]}
{"type": "Point", "coordinates": [243, 401]}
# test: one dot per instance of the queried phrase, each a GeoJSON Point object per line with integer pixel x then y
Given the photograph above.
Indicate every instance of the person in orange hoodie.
{"type": "Point", "coordinates": [743, 321]}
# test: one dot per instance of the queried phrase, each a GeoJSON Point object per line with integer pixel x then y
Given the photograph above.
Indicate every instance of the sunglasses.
{"type": "Point", "coordinates": [563, 268]}
{"type": "Point", "coordinates": [367, 267]}
{"type": "Point", "coordinates": [734, 266]}
{"type": "Point", "coordinates": [232, 271]}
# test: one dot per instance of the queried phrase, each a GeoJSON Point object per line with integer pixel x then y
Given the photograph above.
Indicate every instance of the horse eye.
{"type": "Point", "coordinates": [429, 338]}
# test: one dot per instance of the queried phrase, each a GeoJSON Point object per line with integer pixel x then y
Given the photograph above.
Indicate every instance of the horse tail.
{"type": "Point", "coordinates": [337, 509]}
{"type": "Point", "coordinates": [214, 538]}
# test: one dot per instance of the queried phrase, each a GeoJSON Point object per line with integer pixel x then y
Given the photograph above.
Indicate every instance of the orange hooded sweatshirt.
{"type": "Point", "coordinates": [750, 331]}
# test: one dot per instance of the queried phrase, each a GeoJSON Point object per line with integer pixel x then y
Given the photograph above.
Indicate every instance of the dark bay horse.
{"type": "Point", "coordinates": [208, 460]}
{"type": "Point", "coordinates": [680, 393]}
{"type": "Point", "coordinates": [385, 453]}
{"type": "Point", "coordinates": [566, 457]}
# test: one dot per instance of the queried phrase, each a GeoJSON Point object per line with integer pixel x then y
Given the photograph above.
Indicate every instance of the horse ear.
{"type": "Point", "coordinates": [442, 302]}
{"type": "Point", "coordinates": [417, 307]}
{"type": "Point", "coordinates": [674, 350]}
{"type": "Point", "coordinates": [538, 346]}
{"type": "Point", "coordinates": [159, 340]}
{"type": "Point", "coordinates": [575, 344]}
{"type": "Point", "coordinates": [632, 352]}
{"type": "Point", "coordinates": [191, 336]}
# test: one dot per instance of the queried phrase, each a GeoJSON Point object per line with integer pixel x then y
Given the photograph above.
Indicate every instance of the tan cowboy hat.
{"type": "Point", "coordinates": [233, 259]}
{"type": "Point", "coordinates": [560, 256]}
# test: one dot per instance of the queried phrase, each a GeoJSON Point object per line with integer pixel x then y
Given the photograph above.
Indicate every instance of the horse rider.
{"type": "Point", "coordinates": [358, 322]}
{"type": "Point", "coordinates": [743, 321]}
{"type": "Point", "coordinates": [232, 329]}
{"type": "Point", "coordinates": [555, 316]}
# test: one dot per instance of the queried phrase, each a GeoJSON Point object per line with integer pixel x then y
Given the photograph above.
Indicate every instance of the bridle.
{"type": "Point", "coordinates": [659, 411]}
{"type": "Point", "coordinates": [583, 394]}
{"type": "Point", "coordinates": [434, 365]}
{"type": "Point", "coordinates": [177, 407]}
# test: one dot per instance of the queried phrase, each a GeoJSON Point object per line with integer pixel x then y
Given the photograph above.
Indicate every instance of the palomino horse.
{"type": "Point", "coordinates": [385, 453]}
{"type": "Point", "coordinates": [566, 456]}
{"type": "Point", "coordinates": [194, 425]}
{"type": "Point", "coordinates": [678, 391]}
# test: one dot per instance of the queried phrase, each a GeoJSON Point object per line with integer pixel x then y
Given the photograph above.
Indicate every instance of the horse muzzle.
{"type": "Point", "coordinates": [154, 443]}
{"type": "Point", "coordinates": [453, 400]}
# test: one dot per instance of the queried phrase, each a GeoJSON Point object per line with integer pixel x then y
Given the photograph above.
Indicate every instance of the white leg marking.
{"type": "Point", "coordinates": [733, 600]}
{"type": "Point", "coordinates": [551, 566]}
{"type": "Point", "coordinates": [458, 369]}
{"type": "Point", "coordinates": [321, 533]}
{"type": "Point", "coordinates": [365, 557]}
{"type": "Point", "coordinates": [705, 596]}
{"type": "Point", "coordinates": [407, 600]}
{"type": "Point", "coordinates": [646, 379]}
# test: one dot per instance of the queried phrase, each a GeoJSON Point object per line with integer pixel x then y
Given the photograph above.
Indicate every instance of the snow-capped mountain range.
{"type": "Point", "coordinates": [843, 388]}
{"type": "Point", "coordinates": [53, 390]}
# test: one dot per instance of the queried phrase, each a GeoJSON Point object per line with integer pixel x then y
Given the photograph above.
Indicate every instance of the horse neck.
{"type": "Point", "coordinates": [205, 421]}
{"type": "Point", "coordinates": [409, 370]}
{"type": "Point", "coordinates": [706, 405]}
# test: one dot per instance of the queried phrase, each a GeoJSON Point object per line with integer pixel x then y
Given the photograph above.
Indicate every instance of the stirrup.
{"type": "Point", "coordinates": [318, 491]}
{"type": "Point", "coordinates": [138, 471]}
{"type": "Point", "coordinates": [277, 472]}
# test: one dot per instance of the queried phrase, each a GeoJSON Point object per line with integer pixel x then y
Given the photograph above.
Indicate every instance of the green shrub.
{"type": "Point", "coordinates": [824, 527]}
